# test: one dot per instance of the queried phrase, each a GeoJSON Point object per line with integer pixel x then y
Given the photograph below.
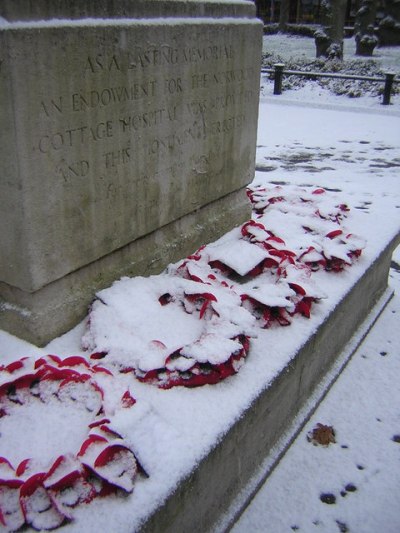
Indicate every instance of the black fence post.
{"type": "Point", "coordinates": [388, 88]}
{"type": "Point", "coordinates": [278, 78]}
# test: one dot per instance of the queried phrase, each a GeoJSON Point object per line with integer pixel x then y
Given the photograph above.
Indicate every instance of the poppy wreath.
{"type": "Point", "coordinates": [192, 365]}
{"type": "Point", "coordinates": [269, 308]}
{"type": "Point", "coordinates": [276, 300]}
{"type": "Point", "coordinates": [279, 285]}
{"type": "Point", "coordinates": [250, 251]}
{"type": "Point", "coordinates": [333, 252]}
{"type": "Point", "coordinates": [263, 269]}
{"type": "Point", "coordinates": [324, 244]}
{"type": "Point", "coordinates": [210, 344]}
{"type": "Point", "coordinates": [42, 493]}
{"type": "Point", "coordinates": [273, 298]}
{"type": "Point", "coordinates": [181, 368]}
{"type": "Point", "coordinates": [317, 201]}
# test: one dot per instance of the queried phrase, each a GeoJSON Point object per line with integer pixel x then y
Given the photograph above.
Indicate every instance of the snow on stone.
{"type": "Point", "coordinates": [144, 326]}
{"type": "Point", "coordinates": [276, 294]}
{"type": "Point", "coordinates": [211, 348]}
{"type": "Point", "coordinates": [131, 322]}
{"type": "Point", "coordinates": [302, 277]}
{"type": "Point", "coordinates": [239, 255]}
{"type": "Point", "coordinates": [43, 442]}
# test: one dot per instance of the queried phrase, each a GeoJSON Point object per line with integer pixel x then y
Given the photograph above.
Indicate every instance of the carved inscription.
{"type": "Point", "coordinates": [142, 58]}
{"type": "Point", "coordinates": [117, 157]}
{"type": "Point", "coordinates": [145, 112]}
{"type": "Point", "coordinates": [107, 96]}
{"type": "Point", "coordinates": [52, 105]}
{"type": "Point", "coordinates": [70, 138]}
{"type": "Point", "coordinates": [75, 169]}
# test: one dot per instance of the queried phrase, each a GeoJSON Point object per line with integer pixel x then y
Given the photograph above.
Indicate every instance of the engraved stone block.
{"type": "Point", "coordinates": [112, 129]}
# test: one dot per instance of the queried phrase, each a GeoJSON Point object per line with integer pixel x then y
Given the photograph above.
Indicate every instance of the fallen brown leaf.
{"type": "Point", "coordinates": [321, 434]}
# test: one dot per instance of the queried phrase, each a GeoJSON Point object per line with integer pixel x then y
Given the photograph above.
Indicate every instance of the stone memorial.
{"type": "Point", "coordinates": [128, 135]}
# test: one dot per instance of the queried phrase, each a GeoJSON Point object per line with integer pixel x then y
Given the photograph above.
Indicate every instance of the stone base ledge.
{"type": "Point", "coordinates": [200, 500]}
{"type": "Point", "coordinates": [40, 316]}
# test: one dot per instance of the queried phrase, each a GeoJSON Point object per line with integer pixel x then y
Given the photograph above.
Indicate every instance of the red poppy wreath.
{"type": "Point", "coordinates": [191, 325]}
{"type": "Point", "coordinates": [170, 331]}
{"type": "Point", "coordinates": [309, 221]}
{"type": "Point", "coordinates": [76, 456]}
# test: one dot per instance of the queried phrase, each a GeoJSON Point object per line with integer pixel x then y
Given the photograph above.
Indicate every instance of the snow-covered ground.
{"type": "Point", "coordinates": [299, 52]}
{"type": "Point", "coordinates": [292, 46]}
{"type": "Point", "coordinates": [354, 154]}
{"type": "Point", "coordinates": [353, 484]}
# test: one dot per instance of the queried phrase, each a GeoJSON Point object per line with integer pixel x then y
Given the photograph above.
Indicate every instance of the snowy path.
{"type": "Point", "coordinates": [360, 472]}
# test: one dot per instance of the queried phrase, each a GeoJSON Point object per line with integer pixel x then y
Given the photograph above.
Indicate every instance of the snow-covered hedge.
{"type": "Point", "coordinates": [350, 88]}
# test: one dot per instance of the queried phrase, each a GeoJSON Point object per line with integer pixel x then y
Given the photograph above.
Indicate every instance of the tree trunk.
{"type": "Point", "coordinates": [329, 39]}
{"type": "Point", "coordinates": [337, 27]}
{"type": "Point", "coordinates": [364, 28]}
{"type": "Point", "coordinates": [284, 14]}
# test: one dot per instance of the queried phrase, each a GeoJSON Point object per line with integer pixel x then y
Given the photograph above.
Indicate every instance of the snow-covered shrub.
{"type": "Point", "coordinates": [350, 88]}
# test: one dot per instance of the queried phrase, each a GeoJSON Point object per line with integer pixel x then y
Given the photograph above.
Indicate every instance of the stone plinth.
{"type": "Point", "coordinates": [125, 144]}
{"type": "Point", "coordinates": [225, 480]}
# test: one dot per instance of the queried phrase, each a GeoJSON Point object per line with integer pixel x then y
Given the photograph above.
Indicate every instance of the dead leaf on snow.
{"type": "Point", "coordinates": [321, 435]}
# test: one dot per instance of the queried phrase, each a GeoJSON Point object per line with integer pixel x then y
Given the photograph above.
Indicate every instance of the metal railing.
{"type": "Point", "coordinates": [279, 71]}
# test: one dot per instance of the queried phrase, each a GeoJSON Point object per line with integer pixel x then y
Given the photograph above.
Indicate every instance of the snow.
{"type": "Point", "coordinates": [291, 46]}
{"type": "Point", "coordinates": [271, 294]}
{"type": "Point", "coordinates": [123, 22]}
{"type": "Point", "coordinates": [360, 470]}
{"type": "Point", "coordinates": [298, 53]}
{"type": "Point", "coordinates": [240, 256]}
{"type": "Point", "coordinates": [135, 330]}
{"type": "Point", "coordinates": [355, 155]}
{"type": "Point", "coordinates": [45, 440]}
{"type": "Point", "coordinates": [141, 322]}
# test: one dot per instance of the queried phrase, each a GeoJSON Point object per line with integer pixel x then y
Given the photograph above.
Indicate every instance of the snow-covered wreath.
{"type": "Point", "coordinates": [176, 331]}
{"type": "Point", "coordinates": [192, 325]}
{"type": "Point", "coordinates": [79, 458]}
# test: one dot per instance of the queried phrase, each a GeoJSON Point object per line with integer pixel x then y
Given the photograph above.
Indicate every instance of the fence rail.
{"type": "Point", "coordinates": [279, 71]}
